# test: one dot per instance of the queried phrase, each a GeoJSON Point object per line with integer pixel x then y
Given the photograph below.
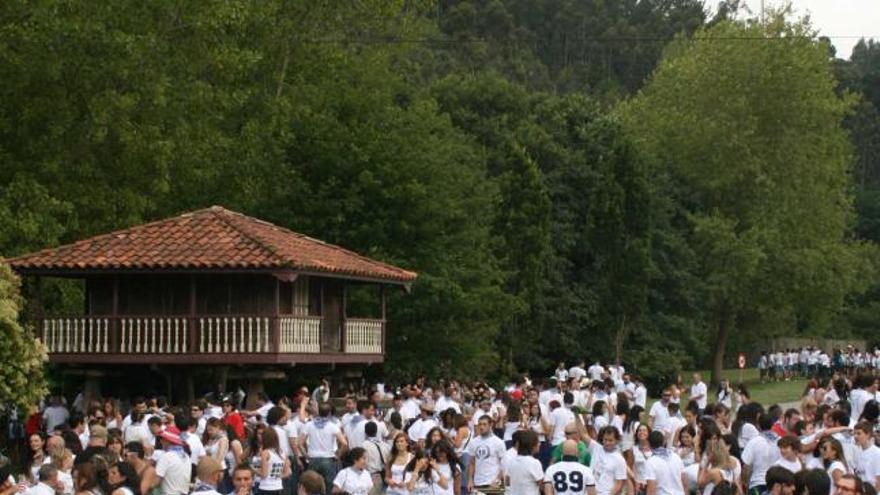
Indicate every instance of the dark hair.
{"type": "Point", "coordinates": [411, 466]}
{"type": "Point", "coordinates": [325, 410]}
{"type": "Point", "coordinates": [778, 475]}
{"type": "Point", "coordinates": [394, 450]}
{"type": "Point", "coordinates": [446, 448]}
{"type": "Point", "coordinates": [270, 440]}
{"type": "Point", "coordinates": [274, 415]}
{"type": "Point", "coordinates": [622, 408]}
{"type": "Point", "coordinates": [814, 482]}
{"type": "Point", "coordinates": [840, 417]}
{"type": "Point", "coordinates": [732, 442]}
{"type": "Point", "coordinates": [724, 488]}
{"type": "Point", "coordinates": [598, 408]}
{"type": "Point", "coordinates": [370, 429]}
{"type": "Point", "coordinates": [633, 417]}
{"type": "Point", "coordinates": [528, 440]}
{"type": "Point", "coordinates": [766, 422]}
{"type": "Point", "coordinates": [136, 448]}
{"type": "Point", "coordinates": [356, 454]}
{"type": "Point", "coordinates": [790, 441]}
{"type": "Point", "coordinates": [71, 440]}
{"type": "Point", "coordinates": [656, 439]}
{"type": "Point", "coordinates": [363, 405]}
{"type": "Point", "coordinates": [514, 412]}
{"type": "Point", "coordinates": [689, 429]}
{"type": "Point", "coordinates": [132, 480]}
{"type": "Point", "coordinates": [871, 412]}
{"type": "Point", "coordinates": [396, 420]}
{"type": "Point", "coordinates": [428, 441]}
{"type": "Point", "coordinates": [608, 430]}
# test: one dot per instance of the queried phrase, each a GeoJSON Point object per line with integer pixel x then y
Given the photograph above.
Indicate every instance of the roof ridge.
{"type": "Point", "coordinates": [319, 241]}
{"type": "Point", "coordinates": [219, 212]}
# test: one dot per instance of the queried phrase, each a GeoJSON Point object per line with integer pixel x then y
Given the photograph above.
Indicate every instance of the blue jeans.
{"type": "Point", "coordinates": [326, 467]}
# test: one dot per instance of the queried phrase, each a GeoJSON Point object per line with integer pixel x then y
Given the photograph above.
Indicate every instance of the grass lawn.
{"type": "Point", "coordinates": [766, 393]}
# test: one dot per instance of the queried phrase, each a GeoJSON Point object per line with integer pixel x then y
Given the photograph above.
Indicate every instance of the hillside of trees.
{"type": "Point", "coordinates": [637, 180]}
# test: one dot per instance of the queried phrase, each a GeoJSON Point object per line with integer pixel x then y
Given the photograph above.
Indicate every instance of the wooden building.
{"type": "Point", "coordinates": [213, 287]}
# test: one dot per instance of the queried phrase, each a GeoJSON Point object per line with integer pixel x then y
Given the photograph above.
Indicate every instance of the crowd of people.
{"type": "Point", "coordinates": [809, 361]}
{"type": "Point", "coordinates": [584, 430]}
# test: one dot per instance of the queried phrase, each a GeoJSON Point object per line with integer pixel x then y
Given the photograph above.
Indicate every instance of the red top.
{"type": "Point", "coordinates": [235, 420]}
{"type": "Point", "coordinates": [34, 424]}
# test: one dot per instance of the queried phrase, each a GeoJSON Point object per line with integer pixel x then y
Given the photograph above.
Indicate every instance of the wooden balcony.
{"type": "Point", "coordinates": [220, 339]}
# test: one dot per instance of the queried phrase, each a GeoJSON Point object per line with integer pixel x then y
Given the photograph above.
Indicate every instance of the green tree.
{"type": "Point", "coordinates": [750, 134]}
{"type": "Point", "coordinates": [21, 376]}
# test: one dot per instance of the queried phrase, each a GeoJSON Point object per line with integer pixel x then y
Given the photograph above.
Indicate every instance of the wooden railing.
{"type": "Point", "coordinates": [203, 334]}
{"type": "Point", "coordinates": [235, 334]}
{"type": "Point", "coordinates": [153, 335]}
{"type": "Point", "coordinates": [363, 336]}
{"type": "Point", "coordinates": [300, 334]}
{"type": "Point", "coordinates": [80, 334]}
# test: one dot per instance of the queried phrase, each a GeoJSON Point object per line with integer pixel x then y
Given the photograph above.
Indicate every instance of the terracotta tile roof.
{"type": "Point", "coordinates": [212, 238]}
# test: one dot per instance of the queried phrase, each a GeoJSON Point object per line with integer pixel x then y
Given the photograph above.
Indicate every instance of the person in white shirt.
{"type": "Point", "coordinates": [759, 455]}
{"type": "Point", "coordinates": [699, 393]}
{"type": "Point", "coordinates": [423, 478]}
{"type": "Point", "coordinates": [524, 474]}
{"type": "Point", "coordinates": [48, 482]}
{"type": "Point", "coordinates": [358, 433]}
{"type": "Point", "coordinates": [609, 467]}
{"type": "Point", "coordinates": [560, 416]}
{"type": "Point", "coordinates": [173, 466]}
{"type": "Point", "coordinates": [867, 461]}
{"type": "Point", "coordinates": [322, 441]}
{"type": "Point", "coordinates": [780, 481]}
{"type": "Point", "coordinates": [485, 451]}
{"type": "Point", "coordinates": [355, 480]}
{"type": "Point", "coordinates": [561, 373]}
{"type": "Point", "coordinates": [378, 454]}
{"type": "Point", "coordinates": [577, 372]}
{"type": "Point", "coordinates": [188, 434]}
{"type": "Point", "coordinates": [664, 471]}
{"type": "Point", "coordinates": [420, 428]}
{"type": "Point", "coordinates": [548, 393]}
{"type": "Point", "coordinates": [640, 392]}
{"type": "Point", "coordinates": [569, 477]}
{"type": "Point", "coordinates": [660, 411]}
{"type": "Point", "coordinates": [56, 414]}
{"type": "Point", "coordinates": [595, 371]}
{"type": "Point", "coordinates": [447, 401]}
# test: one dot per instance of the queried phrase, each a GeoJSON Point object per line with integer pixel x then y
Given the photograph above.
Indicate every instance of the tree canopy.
{"type": "Point", "coordinates": [567, 183]}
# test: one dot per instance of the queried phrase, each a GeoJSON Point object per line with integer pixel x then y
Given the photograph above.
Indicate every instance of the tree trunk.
{"type": "Point", "coordinates": [619, 339]}
{"type": "Point", "coordinates": [722, 331]}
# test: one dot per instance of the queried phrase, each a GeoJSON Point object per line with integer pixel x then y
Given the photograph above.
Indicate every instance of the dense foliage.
{"type": "Point", "coordinates": [482, 143]}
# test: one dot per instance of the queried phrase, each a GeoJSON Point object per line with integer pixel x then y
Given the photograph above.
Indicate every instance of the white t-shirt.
{"type": "Point", "coordinates": [174, 469]}
{"type": "Point", "coordinates": [760, 454]}
{"type": "Point", "coordinates": [487, 454]}
{"type": "Point", "coordinates": [857, 400]}
{"type": "Point", "coordinates": [355, 482]}
{"type": "Point", "coordinates": [793, 466]}
{"type": "Point", "coordinates": [524, 473]}
{"type": "Point", "coordinates": [420, 428]}
{"type": "Point", "coordinates": [569, 478]}
{"type": "Point", "coordinates": [196, 447]}
{"type": "Point", "coordinates": [666, 471]}
{"type": "Point", "coordinates": [608, 468]}
{"type": "Point", "coordinates": [423, 487]}
{"type": "Point", "coordinates": [659, 414]}
{"type": "Point", "coordinates": [559, 418]}
{"type": "Point", "coordinates": [321, 442]}
{"type": "Point", "coordinates": [55, 416]}
{"type": "Point", "coordinates": [509, 455]}
{"type": "Point", "coordinates": [746, 434]}
{"type": "Point", "coordinates": [283, 443]}
{"type": "Point", "coordinates": [867, 465]}
{"type": "Point", "coordinates": [700, 389]}
{"type": "Point", "coordinates": [640, 395]}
